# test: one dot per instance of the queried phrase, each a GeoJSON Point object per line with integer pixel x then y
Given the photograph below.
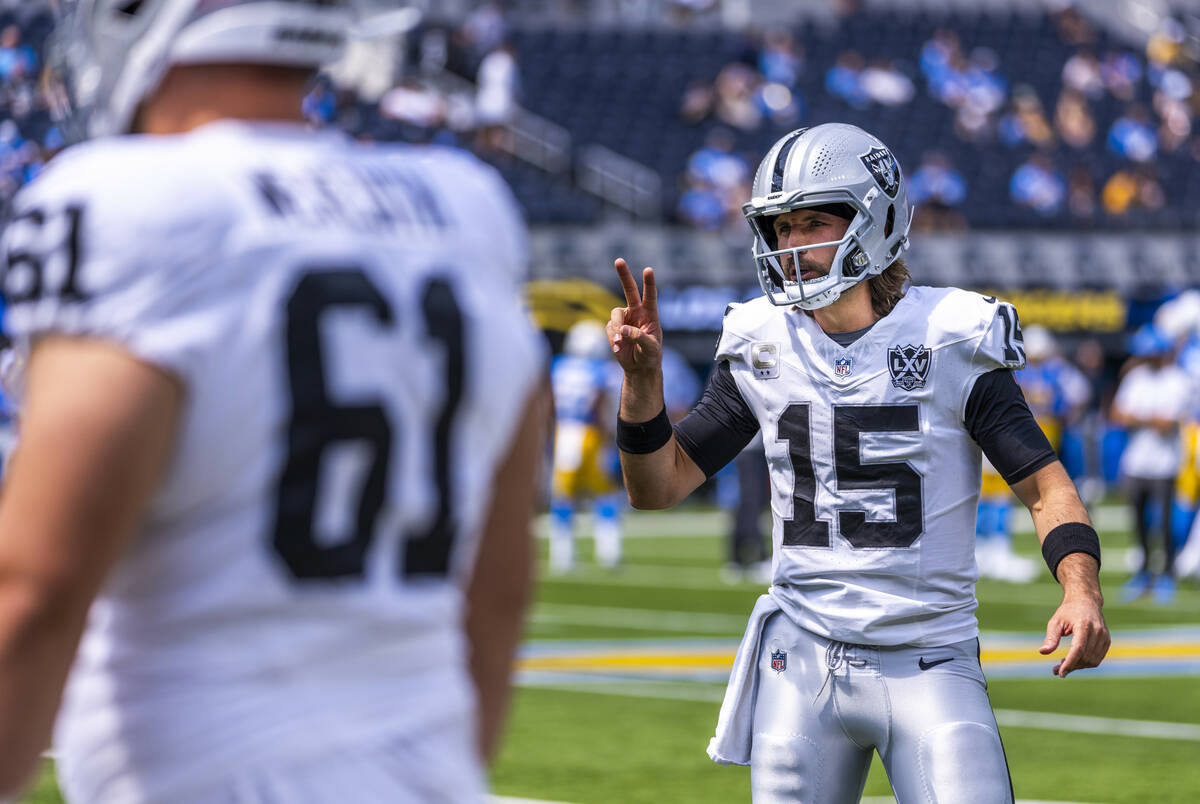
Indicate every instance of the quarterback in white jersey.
{"type": "Point", "coordinates": [282, 402]}
{"type": "Point", "coordinates": [876, 402]}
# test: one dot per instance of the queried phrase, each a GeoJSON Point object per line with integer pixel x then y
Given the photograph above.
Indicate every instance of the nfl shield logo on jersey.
{"type": "Point", "coordinates": [884, 168]}
{"type": "Point", "coordinates": [765, 357]}
{"type": "Point", "coordinates": [779, 660]}
{"type": "Point", "coordinates": [843, 366]}
{"type": "Point", "coordinates": [909, 366]}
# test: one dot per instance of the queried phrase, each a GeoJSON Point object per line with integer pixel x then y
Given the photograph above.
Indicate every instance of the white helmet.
{"type": "Point", "coordinates": [587, 338]}
{"type": "Point", "coordinates": [106, 57]}
{"type": "Point", "coordinates": [831, 164]}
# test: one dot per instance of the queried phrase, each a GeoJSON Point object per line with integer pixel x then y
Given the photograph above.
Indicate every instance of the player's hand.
{"type": "Point", "coordinates": [1080, 617]}
{"type": "Point", "coordinates": [633, 331]}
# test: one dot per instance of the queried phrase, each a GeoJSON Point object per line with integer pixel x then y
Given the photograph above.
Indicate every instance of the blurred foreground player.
{"type": "Point", "coordinates": [281, 401]}
{"type": "Point", "coordinates": [874, 400]}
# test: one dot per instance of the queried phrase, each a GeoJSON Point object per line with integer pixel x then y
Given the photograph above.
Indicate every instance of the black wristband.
{"type": "Point", "coordinates": [640, 439]}
{"type": "Point", "coordinates": [1067, 538]}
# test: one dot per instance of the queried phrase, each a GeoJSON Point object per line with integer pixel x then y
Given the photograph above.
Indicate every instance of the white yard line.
{"type": "Point", "coordinates": [1088, 724]}
{"type": "Point", "coordinates": [1014, 718]}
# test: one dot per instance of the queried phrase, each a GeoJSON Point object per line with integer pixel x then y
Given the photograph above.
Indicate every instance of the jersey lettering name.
{"type": "Point", "coordinates": [378, 200]}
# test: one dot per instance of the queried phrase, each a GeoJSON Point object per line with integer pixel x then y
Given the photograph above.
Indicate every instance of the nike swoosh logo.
{"type": "Point", "coordinates": [924, 665]}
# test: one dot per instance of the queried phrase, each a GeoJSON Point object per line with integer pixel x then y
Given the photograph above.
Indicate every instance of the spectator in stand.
{"type": "Point", "coordinates": [1132, 136]}
{"type": "Point", "coordinates": [1081, 73]}
{"type": "Point", "coordinates": [1119, 193]}
{"type": "Point", "coordinates": [17, 61]}
{"type": "Point", "coordinates": [735, 100]}
{"type": "Point", "coordinates": [781, 60]}
{"type": "Point", "coordinates": [713, 182]}
{"type": "Point", "coordinates": [1026, 122]}
{"type": "Point", "coordinates": [1121, 72]}
{"type": "Point", "coordinates": [938, 55]}
{"type": "Point", "coordinates": [498, 85]}
{"type": "Point", "coordinates": [987, 88]}
{"type": "Point", "coordinates": [483, 31]}
{"type": "Point", "coordinates": [697, 102]}
{"type": "Point", "coordinates": [1038, 185]}
{"type": "Point", "coordinates": [1072, 120]}
{"type": "Point", "coordinates": [1154, 397]}
{"type": "Point", "coordinates": [939, 190]}
{"type": "Point", "coordinates": [1133, 189]}
{"type": "Point", "coordinates": [884, 84]}
{"type": "Point", "coordinates": [717, 163]}
{"type": "Point", "coordinates": [1073, 27]}
{"type": "Point", "coordinates": [844, 80]}
{"type": "Point", "coordinates": [700, 206]}
{"type": "Point", "coordinates": [1167, 45]}
{"type": "Point", "coordinates": [1081, 195]}
{"type": "Point", "coordinates": [422, 109]}
{"type": "Point", "coordinates": [1176, 116]}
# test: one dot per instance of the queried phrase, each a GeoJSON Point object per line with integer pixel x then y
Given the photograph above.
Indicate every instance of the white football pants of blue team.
{"type": "Point", "coordinates": [827, 706]}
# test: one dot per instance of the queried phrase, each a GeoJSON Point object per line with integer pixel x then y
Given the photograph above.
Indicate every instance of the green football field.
{"type": "Point", "coordinates": [622, 675]}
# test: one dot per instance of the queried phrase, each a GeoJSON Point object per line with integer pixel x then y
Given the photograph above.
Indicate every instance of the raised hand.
{"type": "Point", "coordinates": [633, 331]}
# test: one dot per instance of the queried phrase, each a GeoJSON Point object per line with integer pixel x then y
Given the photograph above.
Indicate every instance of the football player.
{"type": "Point", "coordinates": [279, 432]}
{"type": "Point", "coordinates": [586, 384]}
{"type": "Point", "coordinates": [875, 401]}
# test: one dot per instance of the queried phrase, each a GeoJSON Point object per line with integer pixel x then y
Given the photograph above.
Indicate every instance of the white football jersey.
{"type": "Point", "coordinates": [345, 320]}
{"type": "Point", "coordinates": [874, 478]}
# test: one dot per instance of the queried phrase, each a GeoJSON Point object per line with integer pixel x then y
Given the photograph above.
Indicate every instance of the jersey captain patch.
{"type": "Point", "coordinates": [765, 357]}
{"type": "Point", "coordinates": [909, 366]}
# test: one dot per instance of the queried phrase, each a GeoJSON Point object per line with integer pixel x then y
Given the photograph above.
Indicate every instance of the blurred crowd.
{"type": "Point", "coordinates": [1045, 140]}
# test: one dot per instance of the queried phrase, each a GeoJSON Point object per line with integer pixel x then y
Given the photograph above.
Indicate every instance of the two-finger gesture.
{"type": "Point", "coordinates": [633, 331]}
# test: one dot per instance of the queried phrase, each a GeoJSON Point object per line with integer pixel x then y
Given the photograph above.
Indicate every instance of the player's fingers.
{"type": "Point", "coordinates": [1071, 661]}
{"type": "Point", "coordinates": [1054, 634]}
{"type": "Point", "coordinates": [632, 297]}
{"type": "Point", "coordinates": [642, 339]}
{"type": "Point", "coordinates": [616, 319]}
{"type": "Point", "coordinates": [650, 292]}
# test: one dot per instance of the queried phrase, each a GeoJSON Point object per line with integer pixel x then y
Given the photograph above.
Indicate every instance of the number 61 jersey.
{"type": "Point", "coordinates": [345, 323]}
{"type": "Point", "coordinates": [874, 475]}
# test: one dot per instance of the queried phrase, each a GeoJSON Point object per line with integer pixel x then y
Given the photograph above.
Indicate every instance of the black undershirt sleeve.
{"type": "Point", "coordinates": [720, 425]}
{"type": "Point", "coordinates": [999, 420]}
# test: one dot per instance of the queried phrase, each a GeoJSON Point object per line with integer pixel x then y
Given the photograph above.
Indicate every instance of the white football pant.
{"type": "Point", "coordinates": [824, 708]}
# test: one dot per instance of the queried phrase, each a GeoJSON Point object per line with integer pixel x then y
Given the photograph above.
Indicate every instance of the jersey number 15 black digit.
{"type": "Point", "coordinates": [317, 423]}
{"type": "Point", "coordinates": [803, 529]}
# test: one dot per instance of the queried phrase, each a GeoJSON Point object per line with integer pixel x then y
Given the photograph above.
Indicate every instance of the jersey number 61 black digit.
{"type": "Point", "coordinates": [317, 423]}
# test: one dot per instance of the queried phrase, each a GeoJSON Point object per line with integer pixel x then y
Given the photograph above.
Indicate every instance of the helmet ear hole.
{"type": "Point", "coordinates": [131, 8]}
{"type": "Point", "coordinates": [890, 223]}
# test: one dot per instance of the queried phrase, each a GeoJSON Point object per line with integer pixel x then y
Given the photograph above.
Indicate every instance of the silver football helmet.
{"type": "Point", "coordinates": [106, 57]}
{"type": "Point", "coordinates": [829, 164]}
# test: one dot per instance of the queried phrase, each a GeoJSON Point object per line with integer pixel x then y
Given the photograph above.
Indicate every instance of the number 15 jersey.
{"type": "Point", "coordinates": [344, 320]}
{"type": "Point", "coordinates": [874, 469]}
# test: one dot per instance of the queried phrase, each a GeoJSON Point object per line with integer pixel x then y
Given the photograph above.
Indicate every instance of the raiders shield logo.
{"type": "Point", "coordinates": [884, 168]}
{"type": "Point", "coordinates": [909, 366]}
{"type": "Point", "coordinates": [779, 660]}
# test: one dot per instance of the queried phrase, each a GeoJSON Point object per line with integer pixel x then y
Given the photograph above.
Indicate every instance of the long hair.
{"type": "Point", "coordinates": [888, 287]}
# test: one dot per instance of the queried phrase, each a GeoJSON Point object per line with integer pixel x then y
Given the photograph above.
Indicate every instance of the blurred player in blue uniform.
{"type": "Point", "coordinates": [587, 385]}
{"type": "Point", "coordinates": [1056, 391]}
